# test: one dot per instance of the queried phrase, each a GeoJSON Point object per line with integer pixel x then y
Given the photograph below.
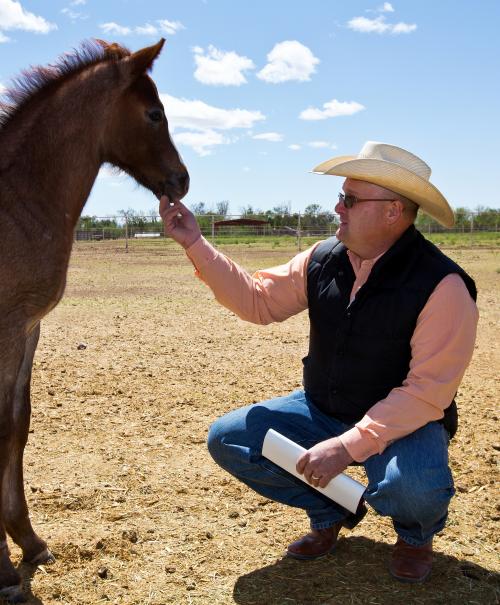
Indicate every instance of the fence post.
{"type": "Point", "coordinates": [213, 231]}
{"type": "Point", "coordinates": [299, 242]}
{"type": "Point", "coordinates": [126, 233]}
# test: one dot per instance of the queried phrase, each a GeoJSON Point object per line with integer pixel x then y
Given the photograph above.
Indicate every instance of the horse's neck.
{"type": "Point", "coordinates": [53, 150]}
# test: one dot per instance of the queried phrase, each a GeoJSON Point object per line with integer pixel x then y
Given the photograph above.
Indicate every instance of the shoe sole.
{"type": "Point", "coordinates": [292, 555]}
{"type": "Point", "coordinates": [406, 580]}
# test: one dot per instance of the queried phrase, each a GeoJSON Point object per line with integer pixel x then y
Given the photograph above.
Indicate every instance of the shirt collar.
{"type": "Point", "coordinates": [359, 264]}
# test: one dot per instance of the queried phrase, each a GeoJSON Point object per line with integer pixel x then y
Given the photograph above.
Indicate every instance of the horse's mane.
{"type": "Point", "coordinates": [42, 78]}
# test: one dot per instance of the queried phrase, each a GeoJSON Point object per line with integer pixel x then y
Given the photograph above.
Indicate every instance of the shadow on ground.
{"type": "Point", "coordinates": [357, 573]}
{"type": "Point", "coordinates": [27, 573]}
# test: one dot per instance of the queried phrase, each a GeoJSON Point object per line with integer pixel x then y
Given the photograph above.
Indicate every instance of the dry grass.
{"type": "Point", "coordinates": [121, 485]}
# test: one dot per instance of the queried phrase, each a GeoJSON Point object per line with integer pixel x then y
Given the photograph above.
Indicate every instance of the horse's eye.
{"type": "Point", "coordinates": [155, 115]}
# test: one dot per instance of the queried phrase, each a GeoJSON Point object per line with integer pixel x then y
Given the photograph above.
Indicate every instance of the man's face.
{"type": "Point", "coordinates": [363, 224]}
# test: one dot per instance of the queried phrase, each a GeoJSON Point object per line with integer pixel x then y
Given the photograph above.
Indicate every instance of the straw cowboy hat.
{"type": "Point", "coordinates": [395, 169]}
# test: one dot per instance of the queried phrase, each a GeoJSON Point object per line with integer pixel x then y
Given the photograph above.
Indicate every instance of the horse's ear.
{"type": "Point", "coordinates": [142, 61]}
{"type": "Point", "coordinates": [112, 50]}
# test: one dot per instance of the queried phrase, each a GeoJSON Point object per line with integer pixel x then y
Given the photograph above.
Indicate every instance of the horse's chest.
{"type": "Point", "coordinates": [32, 283]}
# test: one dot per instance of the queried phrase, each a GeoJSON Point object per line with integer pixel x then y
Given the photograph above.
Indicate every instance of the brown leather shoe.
{"type": "Point", "coordinates": [411, 563]}
{"type": "Point", "coordinates": [317, 543]}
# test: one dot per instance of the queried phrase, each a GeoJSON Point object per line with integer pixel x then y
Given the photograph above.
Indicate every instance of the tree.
{"type": "Point", "coordinates": [222, 208]}
{"type": "Point", "coordinates": [486, 219]}
{"type": "Point", "coordinates": [282, 209]}
{"type": "Point", "coordinates": [462, 218]}
{"type": "Point", "coordinates": [198, 208]}
{"type": "Point", "coordinates": [312, 210]}
{"type": "Point", "coordinates": [153, 215]}
{"type": "Point", "coordinates": [86, 222]}
{"type": "Point", "coordinates": [250, 211]}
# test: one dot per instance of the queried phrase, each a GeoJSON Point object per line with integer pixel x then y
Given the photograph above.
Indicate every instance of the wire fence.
{"type": "Point", "coordinates": [236, 228]}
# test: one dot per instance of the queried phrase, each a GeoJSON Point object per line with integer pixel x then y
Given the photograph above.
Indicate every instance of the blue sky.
{"type": "Point", "coordinates": [258, 93]}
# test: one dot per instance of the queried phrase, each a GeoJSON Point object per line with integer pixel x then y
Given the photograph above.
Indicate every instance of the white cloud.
{"type": "Point", "coordinates": [294, 147]}
{"type": "Point", "coordinates": [78, 2]}
{"type": "Point", "coordinates": [289, 60]}
{"type": "Point", "coordinates": [273, 137]}
{"type": "Point", "coordinates": [114, 28]}
{"type": "Point", "coordinates": [386, 8]}
{"type": "Point", "coordinates": [2, 88]}
{"type": "Point", "coordinates": [403, 28]}
{"type": "Point", "coordinates": [146, 30]}
{"type": "Point", "coordinates": [202, 142]}
{"type": "Point", "coordinates": [321, 145]}
{"type": "Point", "coordinates": [217, 67]}
{"type": "Point", "coordinates": [379, 25]}
{"type": "Point", "coordinates": [164, 27]}
{"type": "Point", "coordinates": [331, 109]}
{"type": "Point", "coordinates": [170, 27]}
{"type": "Point", "coordinates": [73, 15]}
{"type": "Point", "coordinates": [197, 115]}
{"type": "Point", "coordinates": [199, 122]}
{"type": "Point", "coordinates": [14, 16]}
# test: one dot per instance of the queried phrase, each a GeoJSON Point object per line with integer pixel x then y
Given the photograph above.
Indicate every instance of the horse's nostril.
{"type": "Point", "coordinates": [184, 182]}
{"type": "Point", "coordinates": [180, 182]}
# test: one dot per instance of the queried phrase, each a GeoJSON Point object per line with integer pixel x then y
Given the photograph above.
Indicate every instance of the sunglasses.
{"type": "Point", "coordinates": [349, 200]}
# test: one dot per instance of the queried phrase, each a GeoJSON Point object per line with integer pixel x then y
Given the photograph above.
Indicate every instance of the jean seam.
{"type": "Point", "coordinates": [325, 524]}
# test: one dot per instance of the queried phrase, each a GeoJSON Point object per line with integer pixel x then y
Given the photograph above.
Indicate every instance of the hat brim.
{"type": "Point", "coordinates": [394, 177]}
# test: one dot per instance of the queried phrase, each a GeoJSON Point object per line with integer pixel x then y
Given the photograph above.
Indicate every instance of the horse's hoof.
{"type": "Point", "coordinates": [43, 558]}
{"type": "Point", "coordinates": [13, 594]}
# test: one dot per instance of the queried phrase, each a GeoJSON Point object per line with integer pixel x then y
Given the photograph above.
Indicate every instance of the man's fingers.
{"type": "Point", "coordinates": [301, 463]}
{"type": "Point", "coordinates": [168, 204]}
{"type": "Point", "coordinates": [164, 204]}
{"type": "Point", "coordinates": [309, 474]}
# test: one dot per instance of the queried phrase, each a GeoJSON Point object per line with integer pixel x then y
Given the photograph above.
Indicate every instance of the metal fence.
{"type": "Point", "coordinates": [296, 226]}
{"type": "Point", "coordinates": [151, 228]}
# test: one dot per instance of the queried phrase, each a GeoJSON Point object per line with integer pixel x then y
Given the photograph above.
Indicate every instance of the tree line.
{"type": "Point", "coordinates": [314, 216]}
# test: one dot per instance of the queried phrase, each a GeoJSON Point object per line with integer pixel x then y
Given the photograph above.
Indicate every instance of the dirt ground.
{"type": "Point", "coordinates": [132, 367]}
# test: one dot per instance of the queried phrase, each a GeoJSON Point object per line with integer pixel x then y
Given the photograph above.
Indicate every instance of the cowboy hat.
{"type": "Point", "coordinates": [395, 169]}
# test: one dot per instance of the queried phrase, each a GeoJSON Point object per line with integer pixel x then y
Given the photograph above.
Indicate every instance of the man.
{"type": "Point", "coordinates": [392, 330]}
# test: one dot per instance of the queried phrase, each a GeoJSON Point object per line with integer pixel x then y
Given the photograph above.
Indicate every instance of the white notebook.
{"type": "Point", "coordinates": [342, 489]}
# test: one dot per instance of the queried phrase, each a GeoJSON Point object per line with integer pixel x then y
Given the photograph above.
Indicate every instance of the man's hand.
{"type": "Point", "coordinates": [180, 223]}
{"type": "Point", "coordinates": [323, 462]}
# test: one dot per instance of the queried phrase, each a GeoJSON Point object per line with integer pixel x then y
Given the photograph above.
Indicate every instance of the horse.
{"type": "Point", "coordinates": [58, 125]}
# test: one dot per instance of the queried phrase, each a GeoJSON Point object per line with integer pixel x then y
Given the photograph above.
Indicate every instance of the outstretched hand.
{"type": "Point", "coordinates": [180, 223]}
{"type": "Point", "coordinates": [323, 462]}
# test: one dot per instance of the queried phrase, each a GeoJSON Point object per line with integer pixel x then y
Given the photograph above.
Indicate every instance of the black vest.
{"type": "Point", "coordinates": [359, 352]}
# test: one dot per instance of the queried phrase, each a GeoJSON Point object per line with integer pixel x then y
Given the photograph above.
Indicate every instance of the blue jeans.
{"type": "Point", "coordinates": [409, 482]}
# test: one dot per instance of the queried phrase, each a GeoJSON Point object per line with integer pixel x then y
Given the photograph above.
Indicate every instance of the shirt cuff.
{"type": "Point", "coordinates": [201, 253]}
{"type": "Point", "coordinates": [359, 445]}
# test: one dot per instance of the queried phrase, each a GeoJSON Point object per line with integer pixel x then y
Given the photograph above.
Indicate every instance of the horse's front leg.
{"type": "Point", "coordinates": [14, 507]}
{"type": "Point", "coordinates": [12, 350]}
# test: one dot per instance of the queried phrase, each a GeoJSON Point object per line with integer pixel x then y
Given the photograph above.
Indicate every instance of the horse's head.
{"type": "Point", "coordinates": [137, 139]}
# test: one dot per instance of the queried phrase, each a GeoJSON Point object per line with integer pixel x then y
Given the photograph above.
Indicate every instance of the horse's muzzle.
{"type": "Point", "coordinates": [177, 185]}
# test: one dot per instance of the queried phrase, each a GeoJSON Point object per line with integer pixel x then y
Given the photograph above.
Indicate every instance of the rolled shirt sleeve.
{"type": "Point", "coordinates": [267, 296]}
{"type": "Point", "coordinates": [441, 349]}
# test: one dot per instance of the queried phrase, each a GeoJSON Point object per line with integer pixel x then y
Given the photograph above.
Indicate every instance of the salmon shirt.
{"type": "Point", "coordinates": [441, 346]}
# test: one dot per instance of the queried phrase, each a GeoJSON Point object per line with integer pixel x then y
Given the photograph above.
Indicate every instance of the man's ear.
{"type": "Point", "coordinates": [140, 62]}
{"type": "Point", "coordinates": [394, 211]}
